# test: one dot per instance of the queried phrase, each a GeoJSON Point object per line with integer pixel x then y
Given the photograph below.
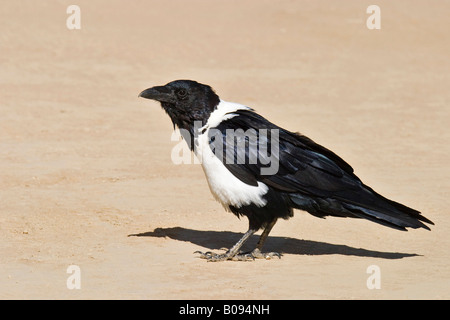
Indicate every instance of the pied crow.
{"type": "Point", "coordinates": [257, 169]}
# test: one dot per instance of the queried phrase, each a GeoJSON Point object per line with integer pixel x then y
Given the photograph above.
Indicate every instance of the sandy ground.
{"type": "Point", "coordinates": [86, 176]}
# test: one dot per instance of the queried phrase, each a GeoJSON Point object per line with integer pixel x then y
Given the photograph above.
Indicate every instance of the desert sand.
{"type": "Point", "coordinates": [86, 176]}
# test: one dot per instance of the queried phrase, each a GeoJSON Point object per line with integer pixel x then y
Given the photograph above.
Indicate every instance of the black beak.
{"type": "Point", "coordinates": [159, 93]}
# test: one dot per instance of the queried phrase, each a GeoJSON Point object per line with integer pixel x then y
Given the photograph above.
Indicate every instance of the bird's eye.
{"type": "Point", "coordinates": [182, 93]}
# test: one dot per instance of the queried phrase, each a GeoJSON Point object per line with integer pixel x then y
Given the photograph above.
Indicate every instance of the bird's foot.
{"type": "Point", "coordinates": [257, 254]}
{"type": "Point", "coordinates": [250, 256]}
{"type": "Point", "coordinates": [215, 257]}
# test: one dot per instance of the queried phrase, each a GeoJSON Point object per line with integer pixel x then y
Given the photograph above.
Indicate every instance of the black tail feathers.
{"type": "Point", "coordinates": [366, 204]}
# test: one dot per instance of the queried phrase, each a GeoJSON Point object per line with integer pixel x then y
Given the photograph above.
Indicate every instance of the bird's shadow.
{"type": "Point", "coordinates": [215, 240]}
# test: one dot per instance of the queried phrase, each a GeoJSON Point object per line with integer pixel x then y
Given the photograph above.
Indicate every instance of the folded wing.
{"type": "Point", "coordinates": [314, 178]}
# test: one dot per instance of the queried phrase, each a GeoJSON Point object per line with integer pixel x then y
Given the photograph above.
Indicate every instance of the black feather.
{"type": "Point", "coordinates": [310, 177]}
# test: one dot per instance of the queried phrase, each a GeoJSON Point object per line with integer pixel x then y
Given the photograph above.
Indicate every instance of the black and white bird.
{"type": "Point", "coordinates": [308, 176]}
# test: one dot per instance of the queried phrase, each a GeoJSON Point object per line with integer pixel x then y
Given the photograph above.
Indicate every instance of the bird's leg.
{"type": "Point", "coordinates": [256, 253]}
{"type": "Point", "coordinates": [232, 253]}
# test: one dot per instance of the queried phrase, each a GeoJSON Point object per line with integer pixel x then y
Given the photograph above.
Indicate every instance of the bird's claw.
{"type": "Point", "coordinates": [250, 256]}
{"type": "Point", "coordinates": [213, 257]}
{"type": "Point", "coordinates": [257, 254]}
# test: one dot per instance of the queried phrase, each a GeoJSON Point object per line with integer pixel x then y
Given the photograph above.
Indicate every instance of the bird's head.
{"type": "Point", "coordinates": [185, 101]}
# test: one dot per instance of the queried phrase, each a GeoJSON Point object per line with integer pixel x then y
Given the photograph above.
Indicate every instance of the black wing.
{"type": "Point", "coordinates": [315, 178]}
